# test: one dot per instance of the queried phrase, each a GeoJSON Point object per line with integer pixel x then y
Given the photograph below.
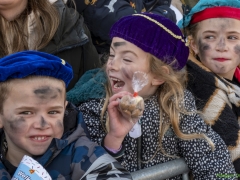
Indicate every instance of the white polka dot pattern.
{"type": "Point", "coordinates": [203, 162]}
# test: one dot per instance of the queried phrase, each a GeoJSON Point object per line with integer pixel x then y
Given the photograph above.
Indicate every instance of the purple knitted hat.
{"type": "Point", "coordinates": [154, 34]}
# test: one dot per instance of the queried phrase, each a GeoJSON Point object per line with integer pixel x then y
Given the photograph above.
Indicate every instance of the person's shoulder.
{"type": "Point", "coordinates": [70, 117]}
{"type": "Point", "coordinates": [189, 101]}
{"type": "Point", "coordinates": [3, 172]}
{"type": "Point", "coordinates": [190, 119]}
{"type": "Point", "coordinates": [59, 4]}
{"type": "Point", "coordinates": [92, 107]}
{"type": "Point", "coordinates": [89, 86]}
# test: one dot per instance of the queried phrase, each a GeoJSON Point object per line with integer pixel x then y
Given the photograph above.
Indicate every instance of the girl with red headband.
{"type": "Point", "coordinates": [213, 29]}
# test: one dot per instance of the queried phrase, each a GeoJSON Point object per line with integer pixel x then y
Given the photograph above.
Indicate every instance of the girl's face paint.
{"type": "Point", "coordinates": [125, 59]}
{"type": "Point", "coordinates": [32, 118]}
{"type": "Point", "coordinates": [218, 45]}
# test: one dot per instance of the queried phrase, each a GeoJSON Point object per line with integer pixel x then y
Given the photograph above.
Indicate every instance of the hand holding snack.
{"type": "Point", "coordinates": [133, 106]}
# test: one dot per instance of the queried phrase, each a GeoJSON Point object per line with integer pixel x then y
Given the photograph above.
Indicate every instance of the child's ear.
{"type": "Point", "coordinates": [193, 45]}
{"type": "Point", "coordinates": [156, 81]}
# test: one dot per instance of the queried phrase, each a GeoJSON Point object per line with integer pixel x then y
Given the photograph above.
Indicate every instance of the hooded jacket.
{"type": "Point", "coordinates": [72, 42]}
{"type": "Point", "coordinates": [73, 157]}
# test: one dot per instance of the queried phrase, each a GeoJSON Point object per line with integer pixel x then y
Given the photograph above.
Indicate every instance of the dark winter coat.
{"type": "Point", "coordinates": [219, 102]}
{"type": "Point", "coordinates": [100, 15]}
{"type": "Point", "coordinates": [72, 42]}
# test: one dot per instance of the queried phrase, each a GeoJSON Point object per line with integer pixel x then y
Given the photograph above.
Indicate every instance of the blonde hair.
{"type": "Point", "coordinates": [170, 98]}
{"type": "Point", "coordinates": [14, 34]}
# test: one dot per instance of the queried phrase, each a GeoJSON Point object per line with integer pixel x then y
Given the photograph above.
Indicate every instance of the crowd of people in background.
{"type": "Point", "coordinates": [65, 65]}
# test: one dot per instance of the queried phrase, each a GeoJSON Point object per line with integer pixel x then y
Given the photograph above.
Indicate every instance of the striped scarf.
{"type": "Point", "coordinates": [218, 101]}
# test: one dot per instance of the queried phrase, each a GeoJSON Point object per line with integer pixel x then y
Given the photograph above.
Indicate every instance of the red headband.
{"type": "Point", "coordinates": [216, 12]}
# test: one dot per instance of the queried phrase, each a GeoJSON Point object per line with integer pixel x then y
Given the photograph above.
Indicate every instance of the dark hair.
{"type": "Point", "coordinates": [191, 30]}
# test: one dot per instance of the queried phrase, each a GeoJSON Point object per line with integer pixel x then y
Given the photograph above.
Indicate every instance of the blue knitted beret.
{"type": "Point", "coordinates": [154, 34]}
{"type": "Point", "coordinates": [25, 63]}
{"type": "Point", "coordinates": [202, 5]}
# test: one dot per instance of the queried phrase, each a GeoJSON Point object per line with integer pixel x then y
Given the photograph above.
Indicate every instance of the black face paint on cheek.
{"type": "Point", "coordinates": [18, 125]}
{"type": "Point", "coordinates": [43, 122]}
{"type": "Point", "coordinates": [46, 92]}
{"type": "Point", "coordinates": [128, 74]}
{"type": "Point", "coordinates": [237, 49]}
{"type": "Point", "coordinates": [59, 124]}
{"type": "Point", "coordinates": [203, 47]}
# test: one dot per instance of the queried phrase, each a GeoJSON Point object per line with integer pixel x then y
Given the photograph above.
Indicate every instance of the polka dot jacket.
{"type": "Point", "coordinates": [201, 160]}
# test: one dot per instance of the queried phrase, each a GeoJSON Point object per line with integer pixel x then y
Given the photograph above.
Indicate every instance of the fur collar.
{"type": "Point", "coordinates": [231, 90]}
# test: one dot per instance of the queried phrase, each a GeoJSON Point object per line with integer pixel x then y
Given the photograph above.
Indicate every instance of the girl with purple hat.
{"type": "Point", "coordinates": [214, 77]}
{"type": "Point", "coordinates": [169, 126]}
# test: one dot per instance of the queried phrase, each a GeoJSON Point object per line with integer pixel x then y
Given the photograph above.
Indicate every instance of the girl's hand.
{"type": "Point", "coordinates": [119, 125]}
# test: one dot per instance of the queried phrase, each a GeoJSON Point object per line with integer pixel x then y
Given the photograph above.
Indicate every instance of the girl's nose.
{"type": "Point", "coordinates": [221, 45]}
{"type": "Point", "coordinates": [114, 64]}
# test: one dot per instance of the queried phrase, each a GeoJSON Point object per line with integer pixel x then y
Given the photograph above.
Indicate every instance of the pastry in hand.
{"type": "Point", "coordinates": [131, 106]}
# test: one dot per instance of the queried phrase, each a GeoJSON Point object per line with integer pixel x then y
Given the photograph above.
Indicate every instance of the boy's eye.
{"type": "Point", "coordinates": [53, 112]}
{"type": "Point", "coordinates": [26, 112]}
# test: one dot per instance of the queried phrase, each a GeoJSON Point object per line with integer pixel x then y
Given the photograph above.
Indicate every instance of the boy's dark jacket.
{"type": "Point", "coordinates": [219, 102]}
{"type": "Point", "coordinates": [100, 15]}
{"type": "Point", "coordinates": [72, 42]}
{"type": "Point", "coordinates": [74, 156]}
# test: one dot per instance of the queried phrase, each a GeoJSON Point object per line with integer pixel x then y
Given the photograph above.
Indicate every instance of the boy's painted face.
{"type": "Point", "coordinates": [218, 45]}
{"type": "Point", "coordinates": [32, 116]}
{"type": "Point", "coordinates": [125, 59]}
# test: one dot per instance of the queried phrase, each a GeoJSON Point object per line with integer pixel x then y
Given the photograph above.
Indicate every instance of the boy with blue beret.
{"type": "Point", "coordinates": [36, 120]}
